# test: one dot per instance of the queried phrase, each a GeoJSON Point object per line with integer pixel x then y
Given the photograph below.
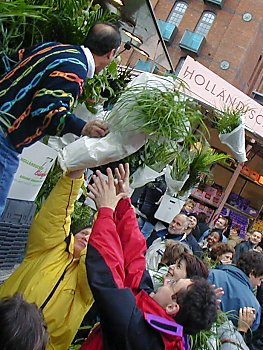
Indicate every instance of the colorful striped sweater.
{"type": "Point", "coordinates": [38, 93]}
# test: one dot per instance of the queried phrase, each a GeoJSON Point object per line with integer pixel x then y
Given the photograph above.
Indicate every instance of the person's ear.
{"type": "Point", "coordinates": [172, 309]}
{"type": "Point", "coordinates": [111, 54]}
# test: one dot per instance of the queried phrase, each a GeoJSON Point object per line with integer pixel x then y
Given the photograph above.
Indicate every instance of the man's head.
{"type": "Point", "coordinates": [22, 326]}
{"type": "Point", "coordinates": [103, 40]}
{"type": "Point", "coordinates": [221, 223]}
{"type": "Point", "coordinates": [251, 263]}
{"type": "Point", "coordinates": [193, 221]}
{"type": "Point", "coordinates": [178, 225]}
{"type": "Point", "coordinates": [255, 237]}
{"type": "Point", "coordinates": [191, 302]}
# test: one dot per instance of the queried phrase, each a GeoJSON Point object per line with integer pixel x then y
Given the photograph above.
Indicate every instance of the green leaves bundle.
{"type": "Point", "coordinates": [227, 121]}
{"type": "Point", "coordinates": [150, 110]}
{"type": "Point", "coordinates": [202, 160]}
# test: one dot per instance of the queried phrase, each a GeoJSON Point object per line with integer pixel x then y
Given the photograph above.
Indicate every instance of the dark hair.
{"type": "Point", "coordinates": [219, 249]}
{"type": "Point", "coordinates": [198, 306]}
{"type": "Point", "coordinates": [202, 217]}
{"type": "Point", "coordinates": [102, 38]}
{"type": "Point", "coordinates": [219, 231]}
{"type": "Point", "coordinates": [22, 326]}
{"type": "Point", "coordinates": [229, 223]}
{"type": "Point", "coordinates": [251, 262]}
{"type": "Point", "coordinates": [173, 251]}
{"type": "Point", "coordinates": [194, 266]}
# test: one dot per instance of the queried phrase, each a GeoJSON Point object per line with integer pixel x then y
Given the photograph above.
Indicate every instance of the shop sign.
{"type": "Point", "coordinates": [34, 165]}
{"type": "Point", "coordinates": [206, 86]}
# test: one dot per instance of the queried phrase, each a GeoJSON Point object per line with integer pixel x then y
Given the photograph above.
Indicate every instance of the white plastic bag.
{"type": "Point", "coordinates": [168, 208]}
{"type": "Point", "coordinates": [235, 140]}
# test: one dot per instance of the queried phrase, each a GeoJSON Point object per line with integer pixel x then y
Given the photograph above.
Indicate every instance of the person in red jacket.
{"type": "Point", "coordinates": [132, 316]}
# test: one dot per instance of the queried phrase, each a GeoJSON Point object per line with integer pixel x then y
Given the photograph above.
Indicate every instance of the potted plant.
{"type": "Point", "coordinates": [231, 128]}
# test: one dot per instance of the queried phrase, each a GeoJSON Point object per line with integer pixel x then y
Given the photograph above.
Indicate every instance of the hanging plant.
{"type": "Point", "coordinates": [228, 120]}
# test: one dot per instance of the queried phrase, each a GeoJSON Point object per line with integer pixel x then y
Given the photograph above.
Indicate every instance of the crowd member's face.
{"type": "Point", "coordinates": [220, 223]}
{"type": "Point", "coordinates": [166, 294]}
{"type": "Point", "coordinates": [213, 238]}
{"type": "Point", "coordinates": [177, 270]}
{"type": "Point", "coordinates": [189, 207]}
{"type": "Point", "coordinates": [81, 241]}
{"type": "Point", "coordinates": [233, 232]}
{"type": "Point", "coordinates": [255, 281]}
{"type": "Point", "coordinates": [178, 225]}
{"type": "Point", "coordinates": [255, 237]}
{"type": "Point", "coordinates": [226, 258]}
{"type": "Point", "coordinates": [192, 222]}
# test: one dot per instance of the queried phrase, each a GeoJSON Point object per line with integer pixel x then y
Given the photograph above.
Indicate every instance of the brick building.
{"type": "Point", "coordinates": [226, 36]}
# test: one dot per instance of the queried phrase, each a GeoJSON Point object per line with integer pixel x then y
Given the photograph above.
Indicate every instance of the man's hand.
{"type": "Point", "coordinates": [122, 175]}
{"type": "Point", "coordinates": [103, 192]}
{"type": "Point", "coordinates": [95, 128]}
{"type": "Point", "coordinates": [246, 318]}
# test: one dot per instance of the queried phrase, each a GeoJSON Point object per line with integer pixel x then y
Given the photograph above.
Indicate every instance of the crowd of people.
{"type": "Point", "coordinates": [152, 288]}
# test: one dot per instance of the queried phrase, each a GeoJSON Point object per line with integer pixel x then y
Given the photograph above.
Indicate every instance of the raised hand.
{"type": "Point", "coordinates": [103, 191]}
{"type": "Point", "coordinates": [246, 318]}
{"type": "Point", "coordinates": [122, 174]}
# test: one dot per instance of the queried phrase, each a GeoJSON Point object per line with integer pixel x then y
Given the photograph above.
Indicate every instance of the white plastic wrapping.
{"type": "Point", "coordinates": [82, 112]}
{"type": "Point", "coordinates": [173, 186]}
{"type": "Point", "coordinates": [92, 152]}
{"type": "Point", "coordinates": [235, 140]}
{"type": "Point", "coordinates": [143, 175]}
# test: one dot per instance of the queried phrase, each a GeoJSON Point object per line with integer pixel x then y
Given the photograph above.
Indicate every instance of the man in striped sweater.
{"type": "Point", "coordinates": [37, 95]}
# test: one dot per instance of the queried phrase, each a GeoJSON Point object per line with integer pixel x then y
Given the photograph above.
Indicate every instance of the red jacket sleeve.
{"type": "Point", "coordinates": [133, 244]}
{"type": "Point", "coordinates": [105, 240]}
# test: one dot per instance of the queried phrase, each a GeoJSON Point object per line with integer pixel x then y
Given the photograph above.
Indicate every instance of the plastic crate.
{"type": "Point", "coordinates": [14, 226]}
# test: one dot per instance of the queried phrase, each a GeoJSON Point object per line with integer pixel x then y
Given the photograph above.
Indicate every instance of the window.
{"type": "Point", "coordinates": [177, 13]}
{"type": "Point", "coordinates": [205, 23]}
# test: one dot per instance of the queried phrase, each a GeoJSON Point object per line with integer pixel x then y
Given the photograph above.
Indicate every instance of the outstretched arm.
{"type": "Point", "coordinates": [121, 320]}
{"type": "Point", "coordinates": [52, 223]}
{"type": "Point", "coordinates": [132, 240]}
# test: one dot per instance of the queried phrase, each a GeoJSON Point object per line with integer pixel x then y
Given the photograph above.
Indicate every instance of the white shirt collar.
{"type": "Point", "coordinates": [91, 62]}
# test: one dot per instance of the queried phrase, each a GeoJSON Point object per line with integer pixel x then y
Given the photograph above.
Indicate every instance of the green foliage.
{"type": "Point", "coordinates": [203, 158]}
{"type": "Point", "coordinates": [164, 114]}
{"type": "Point", "coordinates": [97, 85]}
{"type": "Point", "coordinates": [227, 121]}
{"type": "Point", "coordinates": [27, 22]}
{"type": "Point", "coordinates": [200, 340]}
{"type": "Point", "coordinates": [157, 154]}
{"type": "Point", "coordinates": [181, 164]}
{"type": "Point", "coordinates": [82, 217]}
